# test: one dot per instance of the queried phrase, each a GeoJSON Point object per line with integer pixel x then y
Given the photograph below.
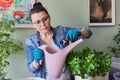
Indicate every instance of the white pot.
{"type": "Point", "coordinates": [116, 62]}
{"type": "Point", "coordinates": [33, 78]}
{"type": "Point", "coordinates": [107, 76]}
{"type": "Point", "coordinates": [79, 78]}
{"type": "Point", "coordinates": [96, 78]}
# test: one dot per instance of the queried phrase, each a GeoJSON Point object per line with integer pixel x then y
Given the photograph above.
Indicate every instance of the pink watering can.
{"type": "Point", "coordinates": [55, 59]}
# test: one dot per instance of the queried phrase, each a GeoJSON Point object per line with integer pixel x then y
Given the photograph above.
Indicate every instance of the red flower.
{"type": "Point", "coordinates": [19, 13]}
{"type": "Point", "coordinates": [6, 3]}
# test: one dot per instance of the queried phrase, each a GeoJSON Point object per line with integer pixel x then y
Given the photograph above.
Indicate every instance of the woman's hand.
{"type": "Point", "coordinates": [38, 55]}
{"type": "Point", "coordinates": [73, 35]}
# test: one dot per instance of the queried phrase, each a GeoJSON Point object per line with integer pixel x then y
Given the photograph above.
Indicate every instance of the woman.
{"type": "Point", "coordinates": [48, 35]}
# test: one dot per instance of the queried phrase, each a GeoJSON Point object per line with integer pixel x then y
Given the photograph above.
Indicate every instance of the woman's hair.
{"type": "Point", "coordinates": [37, 7]}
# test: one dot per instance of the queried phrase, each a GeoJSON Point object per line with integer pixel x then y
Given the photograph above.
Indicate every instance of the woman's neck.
{"type": "Point", "coordinates": [46, 38]}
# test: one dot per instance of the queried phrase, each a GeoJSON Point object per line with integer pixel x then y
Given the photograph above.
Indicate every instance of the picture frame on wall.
{"type": "Point", "coordinates": [17, 10]}
{"type": "Point", "coordinates": [101, 12]}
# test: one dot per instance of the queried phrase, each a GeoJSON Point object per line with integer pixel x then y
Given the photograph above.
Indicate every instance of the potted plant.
{"type": "Point", "coordinates": [88, 64]}
{"type": "Point", "coordinates": [115, 49]}
{"type": "Point", "coordinates": [7, 44]}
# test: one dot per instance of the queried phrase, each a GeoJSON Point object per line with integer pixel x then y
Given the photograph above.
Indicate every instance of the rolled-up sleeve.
{"type": "Point", "coordinates": [89, 31]}
{"type": "Point", "coordinates": [29, 54]}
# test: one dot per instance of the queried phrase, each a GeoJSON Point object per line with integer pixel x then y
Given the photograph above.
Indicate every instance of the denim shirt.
{"type": "Point", "coordinates": [33, 41]}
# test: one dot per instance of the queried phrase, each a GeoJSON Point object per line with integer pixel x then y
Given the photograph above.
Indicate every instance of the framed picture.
{"type": "Point", "coordinates": [17, 10]}
{"type": "Point", "coordinates": [101, 12]}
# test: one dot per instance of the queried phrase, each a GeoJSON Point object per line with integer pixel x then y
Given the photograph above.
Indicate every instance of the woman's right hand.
{"type": "Point", "coordinates": [38, 55]}
{"type": "Point", "coordinates": [73, 35]}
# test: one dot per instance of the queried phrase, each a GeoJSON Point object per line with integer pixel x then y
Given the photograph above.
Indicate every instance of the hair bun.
{"type": "Point", "coordinates": [37, 4]}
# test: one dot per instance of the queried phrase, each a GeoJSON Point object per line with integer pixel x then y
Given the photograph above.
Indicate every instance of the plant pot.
{"type": "Point", "coordinates": [102, 78]}
{"type": "Point", "coordinates": [91, 78]}
{"type": "Point", "coordinates": [2, 76]}
{"type": "Point", "coordinates": [79, 78]}
{"type": "Point", "coordinates": [99, 78]}
{"type": "Point", "coordinates": [33, 78]}
{"type": "Point", "coordinates": [116, 62]}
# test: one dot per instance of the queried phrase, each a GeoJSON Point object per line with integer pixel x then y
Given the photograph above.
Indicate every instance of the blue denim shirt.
{"type": "Point", "coordinates": [33, 41]}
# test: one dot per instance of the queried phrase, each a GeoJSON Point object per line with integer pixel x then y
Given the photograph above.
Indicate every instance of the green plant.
{"type": "Point", "coordinates": [88, 63]}
{"type": "Point", "coordinates": [7, 43]}
{"type": "Point", "coordinates": [115, 48]}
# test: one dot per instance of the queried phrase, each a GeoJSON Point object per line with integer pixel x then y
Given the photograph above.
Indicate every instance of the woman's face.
{"type": "Point", "coordinates": [41, 22]}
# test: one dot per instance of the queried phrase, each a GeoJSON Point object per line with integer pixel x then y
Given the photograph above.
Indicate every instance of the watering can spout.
{"type": "Point", "coordinates": [71, 46]}
{"type": "Point", "coordinates": [55, 59]}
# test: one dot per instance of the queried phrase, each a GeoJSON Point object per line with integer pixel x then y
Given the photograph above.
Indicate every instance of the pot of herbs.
{"type": "Point", "coordinates": [88, 63]}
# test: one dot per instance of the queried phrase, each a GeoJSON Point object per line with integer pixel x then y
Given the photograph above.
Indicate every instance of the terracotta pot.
{"type": "Point", "coordinates": [102, 78]}
{"type": "Point", "coordinates": [91, 78]}
{"type": "Point", "coordinates": [55, 59]}
{"type": "Point", "coordinates": [99, 78]}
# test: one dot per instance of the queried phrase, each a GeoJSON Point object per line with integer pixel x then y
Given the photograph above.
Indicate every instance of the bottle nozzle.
{"type": "Point", "coordinates": [65, 42]}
